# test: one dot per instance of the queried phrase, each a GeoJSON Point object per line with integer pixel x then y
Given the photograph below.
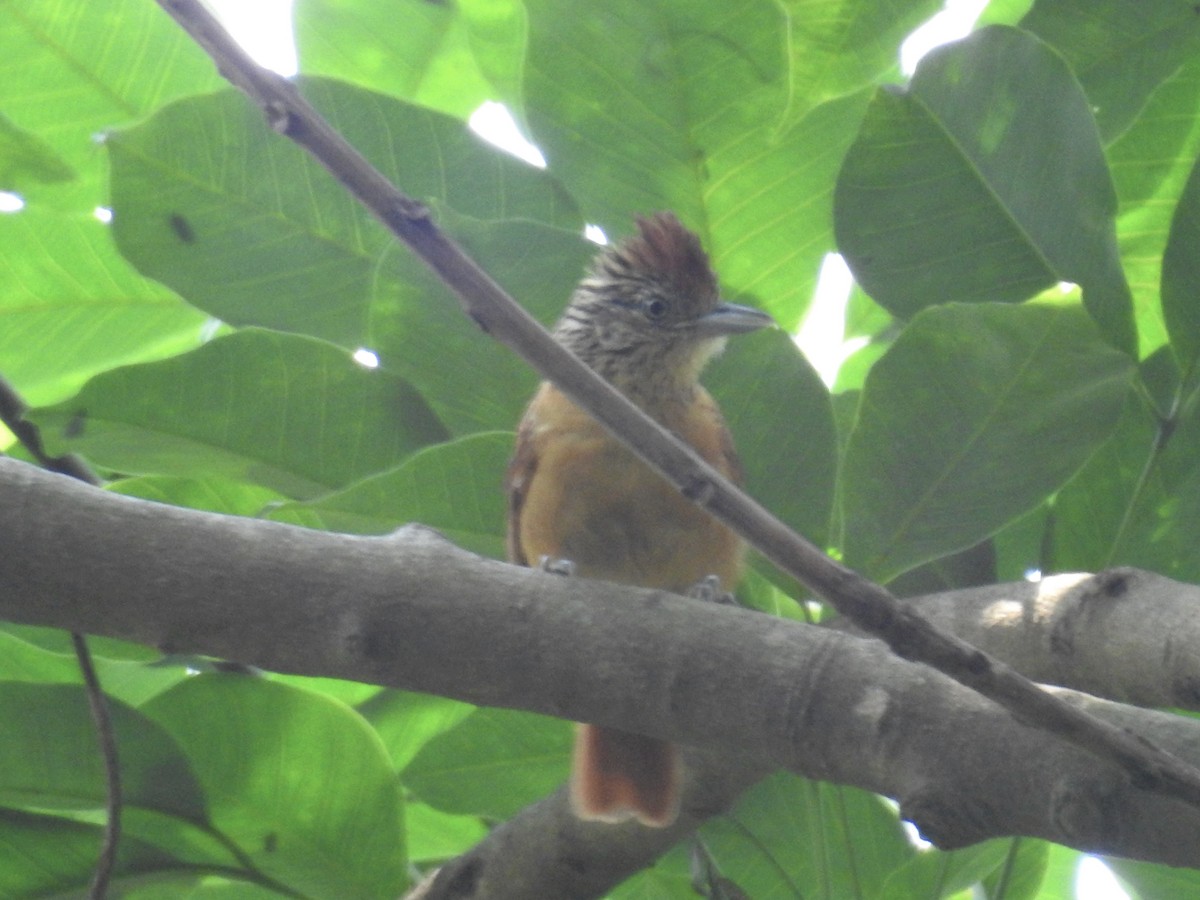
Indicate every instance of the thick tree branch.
{"type": "Point", "coordinates": [547, 851]}
{"type": "Point", "coordinates": [868, 605]}
{"type": "Point", "coordinates": [412, 611]}
{"type": "Point", "coordinates": [1130, 636]}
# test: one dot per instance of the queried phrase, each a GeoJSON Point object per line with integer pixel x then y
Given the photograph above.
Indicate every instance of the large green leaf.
{"type": "Point", "coordinates": [418, 328]}
{"type": "Point", "coordinates": [47, 856]}
{"type": "Point", "coordinates": [492, 764]}
{"type": "Point", "coordinates": [1023, 875]}
{"type": "Point", "coordinates": [434, 836]}
{"type": "Point", "coordinates": [974, 415]}
{"type": "Point", "coordinates": [836, 47]}
{"type": "Point", "coordinates": [1155, 882]}
{"type": "Point", "coordinates": [985, 180]}
{"type": "Point", "coordinates": [26, 158]}
{"type": "Point", "coordinates": [1137, 501]}
{"type": "Point", "coordinates": [1120, 51]}
{"type": "Point", "coordinates": [456, 487]}
{"type": "Point", "coordinates": [449, 57]}
{"type": "Point", "coordinates": [70, 306]}
{"type": "Point", "coordinates": [1151, 163]}
{"type": "Point", "coordinates": [51, 761]}
{"type": "Point", "coordinates": [669, 879]}
{"type": "Point", "coordinates": [678, 105]}
{"type": "Point", "coordinates": [769, 202]}
{"type": "Point", "coordinates": [244, 225]}
{"type": "Point", "coordinates": [649, 78]}
{"type": "Point", "coordinates": [406, 721]}
{"type": "Point", "coordinates": [213, 493]}
{"type": "Point", "coordinates": [129, 681]}
{"type": "Point", "coordinates": [288, 412]}
{"type": "Point", "coordinates": [1181, 274]}
{"type": "Point", "coordinates": [782, 422]}
{"type": "Point", "coordinates": [71, 70]}
{"type": "Point", "coordinates": [298, 782]}
{"type": "Point", "coordinates": [935, 874]}
{"type": "Point", "coordinates": [790, 837]}
{"type": "Point", "coordinates": [65, 770]}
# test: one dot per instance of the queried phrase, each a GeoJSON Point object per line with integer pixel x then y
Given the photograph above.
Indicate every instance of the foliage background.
{"type": "Point", "coordinates": [198, 351]}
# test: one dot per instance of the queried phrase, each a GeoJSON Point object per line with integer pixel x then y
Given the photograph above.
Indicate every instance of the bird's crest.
{"type": "Point", "coordinates": [664, 249]}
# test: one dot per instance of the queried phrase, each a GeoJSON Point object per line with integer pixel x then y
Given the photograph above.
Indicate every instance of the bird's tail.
{"type": "Point", "coordinates": [618, 775]}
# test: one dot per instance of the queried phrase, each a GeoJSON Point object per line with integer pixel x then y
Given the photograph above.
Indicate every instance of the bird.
{"type": "Point", "coordinates": [647, 316]}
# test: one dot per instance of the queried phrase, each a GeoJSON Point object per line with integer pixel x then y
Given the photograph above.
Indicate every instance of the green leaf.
{"type": "Point", "coordinates": [298, 782]}
{"type": "Point", "coordinates": [350, 693]}
{"type": "Point", "coordinates": [685, 106]}
{"type": "Point", "coordinates": [58, 641]}
{"type": "Point", "coordinates": [668, 879]}
{"type": "Point", "coordinates": [405, 722]}
{"type": "Point", "coordinates": [1120, 52]}
{"type": "Point", "coordinates": [650, 149]}
{"type": "Point", "coordinates": [457, 488]}
{"type": "Point", "coordinates": [1151, 163]}
{"type": "Point", "coordinates": [44, 856]}
{"type": "Point", "coordinates": [195, 884]}
{"type": "Point", "coordinates": [1061, 872]}
{"type": "Point", "coordinates": [1023, 873]}
{"type": "Point", "coordinates": [24, 157]}
{"type": "Point", "coordinates": [129, 681]}
{"type": "Point", "coordinates": [49, 760]}
{"type": "Point", "coordinates": [244, 225]}
{"type": "Point", "coordinates": [210, 493]}
{"type": "Point", "coordinates": [782, 420]}
{"type": "Point", "coordinates": [65, 771]}
{"type": "Point", "coordinates": [1137, 502]}
{"type": "Point", "coordinates": [974, 415]}
{"type": "Point", "coordinates": [434, 835]}
{"type": "Point", "coordinates": [1181, 274]}
{"type": "Point", "coordinates": [21, 660]}
{"type": "Point", "coordinates": [1152, 881]}
{"type": "Point", "coordinates": [769, 207]}
{"type": "Point", "coordinates": [973, 566]}
{"type": "Point", "coordinates": [836, 47]}
{"type": "Point", "coordinates": [288, 412]}
{"type": "Point", "coordinates": [932, 874]}
{"type": "Point", "coordinates": [493, 764]}
{"type": "Point", "coordinates": [1092, 514]}
{"type": "Point", "coordinates": [73, 70]}
{"type": "Point", "coordinates": [985, 180]}
{"type": "Point", "coordinates": [449, 57]}
{"type": "Point", "coordinates": [71, 306]}
{"type": "Point", "coordinates": [790, 837]}
{"type": "Point", "coordinates": [418, 328]}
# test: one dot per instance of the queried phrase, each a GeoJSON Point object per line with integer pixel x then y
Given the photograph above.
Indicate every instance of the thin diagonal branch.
{"type": "Point", "coordinates": [868, 605]}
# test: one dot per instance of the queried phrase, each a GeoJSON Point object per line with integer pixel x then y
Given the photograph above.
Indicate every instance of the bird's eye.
{"type": "Point", "coordinates": [655, 309]}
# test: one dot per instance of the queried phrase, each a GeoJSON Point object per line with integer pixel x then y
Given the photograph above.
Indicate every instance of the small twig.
{"type": "Point", "coordinates": [12, 413]}
{"type": "Point", "coordinates": [868, 605]}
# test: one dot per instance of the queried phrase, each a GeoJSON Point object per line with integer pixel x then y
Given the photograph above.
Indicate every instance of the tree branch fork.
{"type": "Point", "coordinates": [410, 610]}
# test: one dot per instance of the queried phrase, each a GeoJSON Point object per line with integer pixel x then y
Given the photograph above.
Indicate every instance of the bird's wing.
{"type": "Point", "coordinates": [521, 469]}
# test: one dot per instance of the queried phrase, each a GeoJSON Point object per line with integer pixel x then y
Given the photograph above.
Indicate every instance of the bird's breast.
{"type": "Point", "coordinates": [593, 502]}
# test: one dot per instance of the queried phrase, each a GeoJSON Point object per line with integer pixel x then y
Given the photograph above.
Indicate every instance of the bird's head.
{"type": "Point", "coordinates": [648, 315]}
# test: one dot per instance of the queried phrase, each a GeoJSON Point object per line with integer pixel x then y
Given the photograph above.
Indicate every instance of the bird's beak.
{"type": "Point", "coordinates": [730, 318]}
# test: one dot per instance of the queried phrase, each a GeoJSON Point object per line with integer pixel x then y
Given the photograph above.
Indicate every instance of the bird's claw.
{"type": "Point", "coordinates": [709, 590]}
{"type": "Point", "coordinates": [552, 566]}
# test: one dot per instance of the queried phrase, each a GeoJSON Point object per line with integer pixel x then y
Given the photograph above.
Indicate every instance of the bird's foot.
{"type": "Point", "coordinates": [709, 590]}
{"type": "Point", "coordinates": [553, 566]}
